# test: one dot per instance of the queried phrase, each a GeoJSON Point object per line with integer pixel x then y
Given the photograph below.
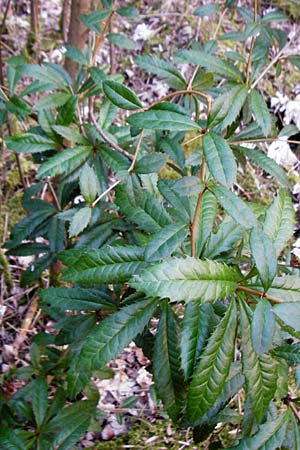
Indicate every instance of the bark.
{"type": "Point", "coordinates": [77, 31]}
{"type": "Point", "coordinates": [34, 27]}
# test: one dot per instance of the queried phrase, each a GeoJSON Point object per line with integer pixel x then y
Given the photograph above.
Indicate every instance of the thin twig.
{"type": "Point", "coordinates": [248, 67]}
{"type": "Point", "coordinates": [108, 140]}
{"type": "Point", "coordinates": [260, 294]}
{"type": "Point", "coordinates": [184, 91]}
{"type": "Point", "coordinates": [56, 201]}
{"type": "Point", "coordinates": [105, 193]}
{"type": "Point", "coordinates": [136, 151]}
{"type": "Point", "coordinates": [258, 140]}
{"type": "Point", "coordinates": [197, 210]}
{"type": "Point", "coordinates": [100, 39]}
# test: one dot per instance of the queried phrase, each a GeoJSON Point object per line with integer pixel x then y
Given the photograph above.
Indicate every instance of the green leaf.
{"type": "Point", "coordinates": [213, 368]}
{"type": "Point", "coordinates": [39, 400]}
{"type": "Point", "coordinates": [167, 373]}
{"type": "Point", "coordinates": [114, 333]}
{"type": "Point", "coordinates": [227, 106]}
{"type": "Point", "coordinates": [36, 268]}
{"type": "Point", "coordinates": [80, 221]}
{"type": "Point", "coordinates": [121, 96]}
{"type": "Point", "coordinates": [162, 120]}
{"type": "Point", "coordinates": [14, 71]}
{"type": "Point", "coordinates": [9, 441]}
{"type": "Point", "coordinates": [17, 106]}
{"type": "Point", "coordinates": [150, 163]}
{"type": "Point", "coordinates": [260, 111]}
{"type": "Point", "coordinates": [172, 148]}
{"type": "Point", "coordinates": [88, 184]}
{"type": "Point", "coordinates": [29, 249]}
{"type": "Point", "coordinates": [266, 163]}
{"type": "Point", "coordinates": [187, 279]}
{"type": "Point", "coordinates": [30, 143]}
{"type": "Point", "coordinates": [262, 327]}
{"type": "Point", "coordinates": [166, 241]}
{"type": "Point", "coordinates": [180, 207]}
{"type": "Point", "coordinates": [226, 238]}
{"type": "Point", "coordinates": [260, 371]}
{"type": "Point", "coordinates": [204, 222]}
{"type": "Point", "coordinates": [269, 437]}
{"type": "Point", "coordinates": [219, 159]}
{"type": "Point", "coordinates": [286, 288]}
{"type": "Point", "coordinates": [290, 353]}
{"type": "Point", "coordinates": [196, 328]}
{"type": "Point", "coordinates": [188, 186]}
{"type": "Point", "coordinates": [76, 55]}
{"type": "Point", "coordinates": [280, 220]}
{"type": "Point", "coordinates": [121, 40]}
{"type": "Point", "coordinates": [234, 206]}
{"type": "Point", "coordinates": [107, 265]}
{"type": "Point", "coordinates": [56, 235]}
{"type": "Point", "coordinates": [92, 20]}
{"type": "Point", "coordinates": [26, 226]}
{"type": "Point", "coordinates": [264, 255]}
{"type": "Point", "coordinates": [52, 101]}
{"type": "Point", "coordinates": [273, 16]}
{"type": "Point", "coordinates": [211, 63]}
{"type": "Point", "coordinates": [128, 11]}
{"type": "Point", "coordinates": [64, 162]}
{"type": "Point", "coordinates": [107, 114]}
{"type": "Point", "coordinates": [77, 299]}
{"type": "Point", "coordinates": [289, 313]}
{"type": "Point", "coordinates": [161, 68]}
{"type": "Point", "coordinates": [206, 10]}
{"type": "Point", "coordinates": [49, 73]}
{"type": "Point", "coordinates": [70, 134]}
{"type": "Point", "coordinates": [70, 424]}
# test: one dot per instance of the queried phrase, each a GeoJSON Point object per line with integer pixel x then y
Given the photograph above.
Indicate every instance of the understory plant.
{"type": "Point", "coordinates": [144, 214]}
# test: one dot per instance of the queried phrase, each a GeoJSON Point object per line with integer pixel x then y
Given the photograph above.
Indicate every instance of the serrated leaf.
{"type": "Point", "coordinates": [92, 20]}
{"type": "Point", "coordinates": [107, 265]}
{"type": "Point", "coordinates": [80, 221]}
{"type": "Point", "coordinates": [114, 333]}
{"type": "Point", "coordinates": [269, 437]}
{"type": "Point", "coordinates": [227, 106]}
{"type": "Point", "coordinates": [34, 248]}
{"type": "Point", "coordinates": [163, 69]}
{"type": "Point", "coordinates": [52, 101]}
{"type": "Point", "coordinates": [70, 134]}
{"type": "Point", "coordinates": [219, 158]}
{"type": "Point", "coordinates": [196, 327]}
{"type": "Point", "coordinates": [188, 186]}
{"type": "Point", "coordinates": [213, 368]}
{"type": "Point", "coordinates": [75, 299]}
{"type": "Point", "coordinates": [167, 373]}
{"type": "Point", "coordinates": [128, 11]}
{"type": "Point", "coordinates": [204, 222]}
{"type": "Point", "coordinates": [40, 400]}
{"type": "Point", "coordinates": [273, 16]}
{"type": "Point", "coordinates": [286, 288]}
{"type": "Point", "coordinates": [206, 10]}
{"type": "Point", "coordinates": [289, 313]}
{"type": "Point", "coordinates": [49, 73]}
{"type": "Point", "coordinates": [262, 327]}
{"type": "Point", "coordinates": [150, 163]}
{"type": "Point", "coordinates": [121, 40]}
{"type": "Point", "coordinates": [211, 63]}
{"type": "Point", "coordinates": [64, 162]}
{"type": "Point", "coordinates": [76, 55]}
{"type": "Point", "coordinates": [172, 148]}
{"type": "Point", "coordinates": [88, 184]}
{"type": "Point", "coordinates": [162, 120]}
{"type": "Point", "coordinates": [166, 241]}
{"type": "Point", "coordinates": [280, 220]}
{"type": "Point", "coordinates": [26, 226]}
{"type": "Point", "coordinates": [234, 206]}
{"type": "Point", "coordinates": [56, 235]}
{"type": "Point", "coordinates": [290, 353]}
{"type": "Point", "coordinates": [187, 279]}
{"type": "Point", "coordinates": [121, 96]}
{"type": "Point", "coordinates": [36, 268]}
{"type": "Point", "coordinates": [9, 440]}
{"type": "Point", "coordinates": [260, 111]}
{"type": "Point", "coordinates": [30, 143]}
{"type": "Point", "coordinates": [180, 207]}
{"type": "Point", "coordinates": [267, 164]}
{"type": "Point", "coordinates": [260, 371]}
{"type": "Point", "coordinates": [264, 255]}
{"type": "Point", "coordinates": [226, 238]}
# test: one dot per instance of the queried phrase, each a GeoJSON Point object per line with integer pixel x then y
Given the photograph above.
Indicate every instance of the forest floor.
{"type": "Point", "coordinates": [127, 396]}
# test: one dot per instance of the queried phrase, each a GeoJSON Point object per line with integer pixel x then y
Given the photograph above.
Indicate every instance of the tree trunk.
{"type": "Point", "coordinates": [65, 19]}
{"type": "Point", "coordinates": [77, 31]}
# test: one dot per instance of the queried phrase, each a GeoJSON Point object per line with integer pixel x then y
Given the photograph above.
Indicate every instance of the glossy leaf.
{"type": "Point", "coordinates": [234, 206]}
{"type": "Point", "coordinates": [262, 327]}
{"type": "Point", "coordinates": [80, 221]}
{"type": "Point", "coordinates": [39, 400]}
{"type": "Point", "coordinates": [114, 333]}
{"type": "Point", "coordinates": [150, 163]}
{"type": "Point", "coordinates": [121, 40]}
{"type": "Point", "coordinates": [279, 221]}
{"type": "Point", "coordinates": [52, 101]}
{"type": "Point", "coordinates": [211, 63]}
{"type": "Point", "coordinates": [219, 158]}
{"type": "Point", "coordinates": [30, 143]}
{"type": "Point", "coordinates": [260, 371]}
{"type": "Point", "coordinates": [213, 368]}
{"type": "Point", "coordinates": [226, 238]}
{"type": "Point", "coordinates": [163, 69]}
{"type": "Point", "coordinates": [162, 120]}
{"type": "Point", "coordinates": [121, 96]}
{"type": "Point", "coordinates": [107, 265]}
{"type": "Point", "coordinates": [269, 437]}
{"type": "Point", "coordinates": [286, 288]}
{"type": "Point", "coordinates": [92, 20]}
{"type": "Point", "coordinates": [172, 148]}
{"type": "Point", "coordinates": [205, 221]}
{"type": "Point", "coordinates": [227, 106]}
{"type": "Point", "coordinates": [187, 279]}
{"type": "Point", "coordinates": [289, 352]}
{"type": "Point", "coordinates": [263, 253]}
{"type": "Point", "coordinates": [180, 208]}
{"type": "Point", "coordinates": [166, 241]}
{"type": "Point", "coordinates": [75, 299]}
{"type": "Point", "coordinates": [196, 327]}
{"type": "Point", "coordinates": [167, 373]}
{"type": "Point", "coordinates": [88, 184]}
{"type": "Point", "coordinates": [9, 440]}
{"type": "Point", "coordinates": [188, 186]}
{"type": "Point", "coordinates": [260, 111]}
{"type": "Point", "coordinates": [26, 226]}
{"type": "Point", "coordinates": [64, 162]}
{"type": "Point", "coordinates": [49, 73]}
